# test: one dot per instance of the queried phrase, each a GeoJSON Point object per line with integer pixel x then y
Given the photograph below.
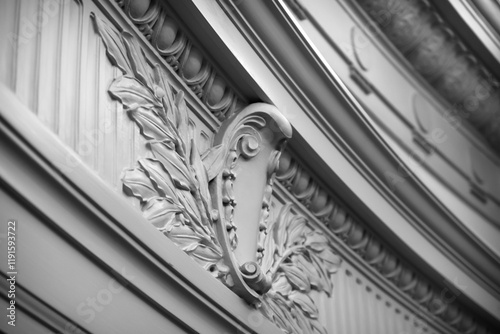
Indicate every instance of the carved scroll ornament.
{"type": "Point", "coordinates": [192, 198]}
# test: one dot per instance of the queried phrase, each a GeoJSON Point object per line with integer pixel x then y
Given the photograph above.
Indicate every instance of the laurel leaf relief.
{"type": "Point", "coordinates": [299, 258]}
{"type": "Point", "coordinates": [172, 186]}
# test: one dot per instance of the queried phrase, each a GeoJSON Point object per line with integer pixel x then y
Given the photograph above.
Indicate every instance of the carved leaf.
{"type": "Point", "coordinates": [269, 249]}
{"type": "Point", "coordinates": [213, 161]}
{"type": "Point", "coordinates": [115, 49]}
{"type": "Point", "coordinates": [303, 321]}
{"type": "Point", "coordinates": [159, 178]}
{"type": "Point", "coordinates": [151, 127]}
{"type": "Point", "coordinates": [136, 183]}
{"type": "Point", "coordinates": [314, 271]}
{"type": "Point", "coordinates": [162, 89]}
{"type": "Point", "coordinates": [297, 277]}
{"type": "Point", "coordinates": [174, 164]}
{"type": "Point", "coordinates": [184, 236]}
{"type": "Point", "coordinates": [201, 176]}
{"type": "Point", "coordinates": [282, 286]}
{"type": "Point", "coordinates": [275, 310]}
{"type": "Point", "coordinates": [137, 60]}
{"type": "Point", "coordinates": [143, 107]}
{"type": "Point", "coordinates": [133, 94]}
{"type": "Point", "coordinates": [189, 203]}
{"type": "Point", "coordinates": [316, 241]}
{"type": "Point", "coordinates": [317, 327]}
{"type": "Point", "coordinates": [281, 234]}
{"type": "Point", "coordinates": [295, 231]}
{"type": "Point", "coordinates": [206, 254]}
{"type": "Point", "coordinates": [305, 303]}
{"type": "Point", "coordinates": [182, 120]}
{"type": "Point", "coordinates": [201, 249]}
{"type": "Point", "coordinates": [161, 212]}
{"type": "Point", "coordinates": [330, 259]}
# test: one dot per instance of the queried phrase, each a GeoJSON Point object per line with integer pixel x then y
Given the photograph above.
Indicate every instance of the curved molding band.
{"type": "Point", "coordinates": [370, 248]}
{"type": "Point", "coordinates": [344, 122]}
{"type": "Point", "coordinates": [443, 60]}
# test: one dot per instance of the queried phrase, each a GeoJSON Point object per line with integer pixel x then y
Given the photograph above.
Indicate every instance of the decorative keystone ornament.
{"type": "Point", "coordinates": [248, 147]}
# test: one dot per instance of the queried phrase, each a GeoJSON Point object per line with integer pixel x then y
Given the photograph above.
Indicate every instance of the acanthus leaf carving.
{"type": "Point", "coordinates": [192, 198]}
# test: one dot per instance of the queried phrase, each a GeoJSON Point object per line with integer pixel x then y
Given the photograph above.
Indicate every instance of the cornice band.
{"type": "Point", "coordinates": [443, 60]}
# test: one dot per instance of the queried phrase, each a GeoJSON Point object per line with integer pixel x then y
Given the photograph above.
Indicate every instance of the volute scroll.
{"type": "Point", "coordinates": [252, 141]}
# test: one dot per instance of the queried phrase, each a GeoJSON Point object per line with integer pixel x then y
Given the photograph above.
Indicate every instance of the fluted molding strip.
{"type": "Point", "coordinates": [372, 250]}
{"type": "Point", "coordinates": [173, 45]}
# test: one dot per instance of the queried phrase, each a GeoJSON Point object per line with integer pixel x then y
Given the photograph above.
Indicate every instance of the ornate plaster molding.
{"type": "Point", "coordinates": [191, 197]}
{"type": "Point", "coordinates": [188, 196]}
{"type": "Point", "coordinates": [173, 45]}
{"type": "Point", "coordinates": [293, 176]}
{"type": "Point", "coordinates": [429, 44]}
